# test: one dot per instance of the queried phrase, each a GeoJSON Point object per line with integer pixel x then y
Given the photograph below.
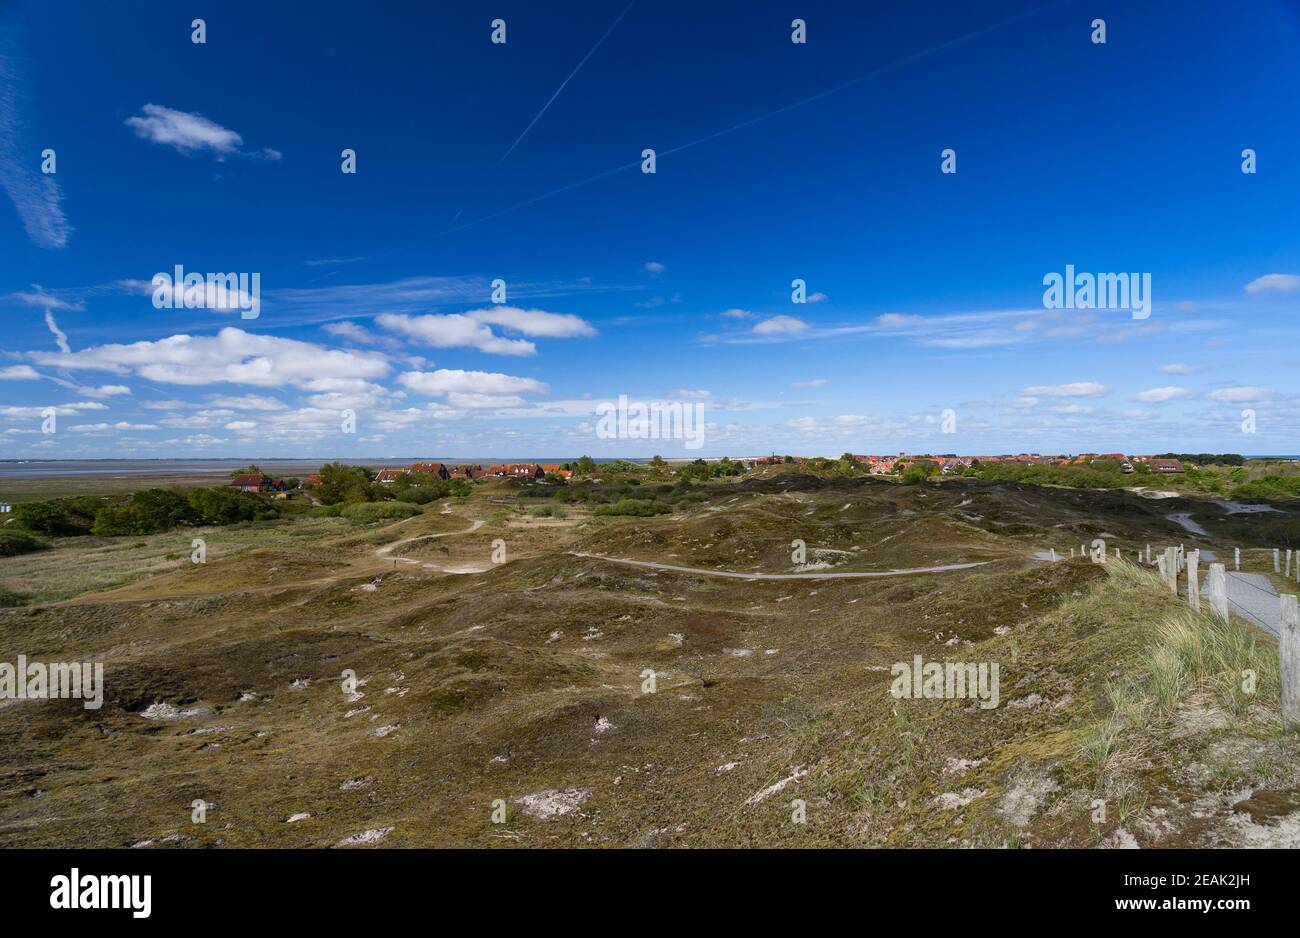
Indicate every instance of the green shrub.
{"type": "Point", "coordinates": [349, 484]}
{"type": "Point", "coordinates": [147, 512]}
{"type": "Point", "coordinates": [548, 511]}
{"type": "Point", "coordinates": [379, 511]}
{"type": "Point", "coordinates": [225, 505]}
{"type": "Point", "coordinates": [14, 543]}
{"type": "Point", "coordinates": [10, 599]}
{"type": "Point", "coordinates": [58, 516]}
{"type": "Point", "coordinates": [637, 507]}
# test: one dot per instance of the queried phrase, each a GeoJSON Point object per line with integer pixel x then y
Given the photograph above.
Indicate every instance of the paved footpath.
{"type": "Point", "coordinates": [1253, 597]}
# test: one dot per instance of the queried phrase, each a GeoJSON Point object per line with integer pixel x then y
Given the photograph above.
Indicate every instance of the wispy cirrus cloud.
{"type": "Point", "coordinates": [35, 196]}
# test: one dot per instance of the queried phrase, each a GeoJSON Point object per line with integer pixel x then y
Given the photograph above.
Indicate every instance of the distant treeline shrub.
{"type": "Point", "coordinates": [1206, 459]}
{"type": "Point", "coordinates": [152, 510]}
{"type": "Point", "coordinates": [1075, 476]}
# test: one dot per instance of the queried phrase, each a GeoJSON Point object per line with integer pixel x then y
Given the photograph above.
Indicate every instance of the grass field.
{"type": "Point", "coordinates": [522, 687]}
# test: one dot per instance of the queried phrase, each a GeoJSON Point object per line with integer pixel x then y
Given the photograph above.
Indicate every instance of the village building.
{"type": "Point", "coordinates": [257, 482]}
{"type": "Point", "coordinates": [429, 468]}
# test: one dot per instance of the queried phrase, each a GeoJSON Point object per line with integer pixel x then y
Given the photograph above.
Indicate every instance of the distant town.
{"type": "Point", "coordinates": [900, 464]}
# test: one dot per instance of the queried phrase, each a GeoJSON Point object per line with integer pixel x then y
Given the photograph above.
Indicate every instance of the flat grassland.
{"type": "Point", "coordinates": [585, 702]}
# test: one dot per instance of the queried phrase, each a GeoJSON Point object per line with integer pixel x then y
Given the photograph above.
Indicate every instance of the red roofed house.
{"type": "Point", "coordinates": [429, 468]}
{"type": "Point", "coordinates": [256, 482]}
{"type": "Point", "coordinates": [1166, 465]}
{"type": "Point", "coordinates": [523, 470]}
{"type": "Point", "coordinates": [387, 476]}
{"type": "Point", "coordinates": [558, 470]}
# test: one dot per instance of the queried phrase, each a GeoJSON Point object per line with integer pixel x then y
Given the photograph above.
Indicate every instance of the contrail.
{"type": "Point", "coordinates": [552, 98]}
{"type": "Point", "coordinates": [874, 73]}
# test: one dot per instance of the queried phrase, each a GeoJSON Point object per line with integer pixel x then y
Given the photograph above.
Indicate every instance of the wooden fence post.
{"type": "Point", "coordinates": [1236, 557]}
{"type": "Point", "coordinates": [1194, 581]}
{"type": "Point", "coordinates": [1171, 568]}
{"type": "Point", "coordinates": [1277, 568]}
{"type": "Point", "coordinates": [1287, 571]}
{"type": "Point", "coordinates": [1289, 659]}
{"type": "Point", "coordinates": [1219, 590]}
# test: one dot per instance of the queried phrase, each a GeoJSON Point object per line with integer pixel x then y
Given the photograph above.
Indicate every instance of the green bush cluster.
{"type": "Point", "coordinates": [14, 543]}
{"type": "Point", "coordinates": [152, 510]}
{"type": "Point", "coordinates": [61, 517]}
{"type": "Point", "coordinates": [638, 507]}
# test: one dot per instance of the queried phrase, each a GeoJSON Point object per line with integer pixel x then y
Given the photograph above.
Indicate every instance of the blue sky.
{"type": "Point", "coordinates": [775, 161]}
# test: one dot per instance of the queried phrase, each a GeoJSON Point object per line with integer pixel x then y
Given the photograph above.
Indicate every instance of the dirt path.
{"type": "Point", "coordinates": [388, 548]}
{"type": "Point", "coordinates": [779, 576]}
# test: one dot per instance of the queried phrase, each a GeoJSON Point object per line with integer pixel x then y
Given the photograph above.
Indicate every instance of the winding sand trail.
{"type": "Point", "coordinates": [843, 575]}
{"type": "Point", "coordinates": [384, 551]}
{"type": "Point", "coordinates": [389, 548]}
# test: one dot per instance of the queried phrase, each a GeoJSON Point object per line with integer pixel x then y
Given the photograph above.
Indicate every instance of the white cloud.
{"type": "Point", "coordinates": [19, 373]}
{"type": "Point", "coordinates": [1158, 395]}
{"type": "Point", "coordinates": [1177, 368]}
{"type": "Point", "coordinates": [233, 356]}
{"type": "Point", "coordinates": [1281, 283]}
{"type": "Point", "coordinates": [533, 322]}
{"type": "Point", "coordinates": [63, 410]}
{"type": "Point", "coordinates": [817, 297]}
{"type": "Point", "coordinates": [453, 331]}
{"type": "Point", "coordinates": [896, 320]}
{"type": "Point", "coordinates": [60, 339]}
{"type": "Point", "coordinates": [187, 132]}
{"type": "Point", "coordinates": [1076, 389]}
{"type": "Point", "coordinates": [106, 390]}
{"type": "Point", "coordinates": [811, 383]}
{"type": "Point", "coordinates": [654, 267]}
{"type": "Point", "coordinates": [211, 294]}
{"type": "Point", "coordinates": [245, 402]}
{"type": "Point", "coordinates": [780, 325]}
{"type": "Point", "coordinates": [102, 427]}
{"type": "Point", "coordinates": [350, 330]}
{"type": "Point", "coordinates": [735, 313]}
{"type": "Point", "coordinates": [455, 381]}
{"type": "Point", "coordinates": [39, 298]}
{"type": "Point", "coordinates": [687, 394]}
{"type": "Point", "coordinates": [1239, 394]}
{"type": "Point", "coordinates": [483, 401]}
